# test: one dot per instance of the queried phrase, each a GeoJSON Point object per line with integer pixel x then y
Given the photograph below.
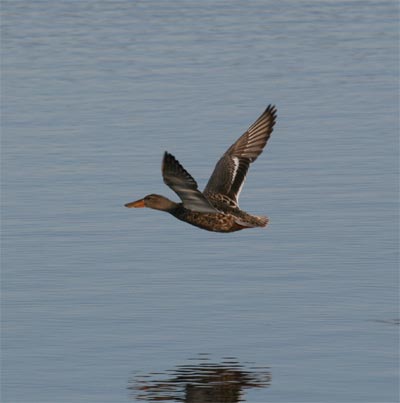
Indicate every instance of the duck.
{"type": "Point", "coordinates": [217, 207]}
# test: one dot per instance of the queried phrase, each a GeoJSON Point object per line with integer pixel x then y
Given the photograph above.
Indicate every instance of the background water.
{"type": "Point", "coordinates": [105, 304]}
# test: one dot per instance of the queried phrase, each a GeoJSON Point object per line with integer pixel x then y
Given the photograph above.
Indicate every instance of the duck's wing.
{"type": "Point", "coordinates": [183, 184]}
{"type": "Point", "coordinates": [230, 172]}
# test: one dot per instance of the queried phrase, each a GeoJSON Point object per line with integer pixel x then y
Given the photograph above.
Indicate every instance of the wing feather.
{"type": "Point", "coordinates": [231, 170]}
{"type": "Point", "coordinates": [184, 185]}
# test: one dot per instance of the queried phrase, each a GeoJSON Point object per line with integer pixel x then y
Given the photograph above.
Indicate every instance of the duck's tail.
{"type": "Point", "coordinates": [262, 220]}
{"type": "Point", "coordinates": [252, 221]}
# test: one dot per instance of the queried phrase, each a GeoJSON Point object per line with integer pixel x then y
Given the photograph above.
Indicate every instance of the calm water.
{"type": "Point", "coordinates": [105, 304]}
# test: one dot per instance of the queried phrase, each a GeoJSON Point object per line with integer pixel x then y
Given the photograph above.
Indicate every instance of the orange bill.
{"type": "Point", "coordinates": [137, 204]}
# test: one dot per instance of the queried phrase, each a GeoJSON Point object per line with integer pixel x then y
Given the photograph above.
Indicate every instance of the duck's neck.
{"type": "Point", "coordinates": [164, 204]}
{"type": "Point", "coordinates": [170, 206]}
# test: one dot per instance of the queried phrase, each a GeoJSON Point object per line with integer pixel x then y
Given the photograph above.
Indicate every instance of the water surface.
{"type": "Point", "coordinates": [95, 295]}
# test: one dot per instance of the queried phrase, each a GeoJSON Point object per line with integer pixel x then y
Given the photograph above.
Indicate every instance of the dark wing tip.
{"type": "Point", "coordinates": [168, 156]}
{"type": "Point", "coordinates": [169, 160]}
{"type": "Point", "coordinates": [172, 172]}
{"type": "Point", "coordinates": [271, 109]}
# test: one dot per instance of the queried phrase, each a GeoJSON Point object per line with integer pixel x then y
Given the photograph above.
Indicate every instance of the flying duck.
{"type": "Point", "coordinates": [217, 207]}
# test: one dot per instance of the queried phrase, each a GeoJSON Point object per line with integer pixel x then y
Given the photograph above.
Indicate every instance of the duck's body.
{"type": "Point", "coordinates": [227, 220]}
{"type": "Point", "coordinates": [217, 208]}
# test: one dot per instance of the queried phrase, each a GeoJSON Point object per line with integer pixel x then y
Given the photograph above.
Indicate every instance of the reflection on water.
{"type": "Point", "coordinates": [388, 321]}
{"type": "Point", "coordinates": [201, 381]}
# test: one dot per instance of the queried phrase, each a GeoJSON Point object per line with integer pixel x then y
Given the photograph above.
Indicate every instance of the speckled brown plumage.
{"type": "Point", "coordinates": [230, 220]}
{"type": "Point", "coordinates": [217, 208]}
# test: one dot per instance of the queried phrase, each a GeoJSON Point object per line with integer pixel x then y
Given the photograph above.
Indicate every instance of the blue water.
{"type": "Point", "coordinates": [105, 304]}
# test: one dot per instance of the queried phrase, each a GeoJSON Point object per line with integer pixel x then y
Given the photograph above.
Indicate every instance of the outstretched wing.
{"type": "Point", "coordinates": [183, 184]}
{"type": "Point", "coordinates": [230, 172]}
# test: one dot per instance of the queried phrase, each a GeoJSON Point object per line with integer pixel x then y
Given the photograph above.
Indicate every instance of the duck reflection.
{"type": "Point", "coordinates": [201, 382]}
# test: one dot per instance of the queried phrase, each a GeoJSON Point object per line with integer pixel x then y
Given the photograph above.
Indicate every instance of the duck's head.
{"type": "Point", "coordinates": [156, 202]}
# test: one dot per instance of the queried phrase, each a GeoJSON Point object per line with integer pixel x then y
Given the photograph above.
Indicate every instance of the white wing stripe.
{"type": "Point", "coordinates": [235, 168]}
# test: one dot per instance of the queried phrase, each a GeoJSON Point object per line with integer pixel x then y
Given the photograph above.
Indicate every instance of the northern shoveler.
{"type": "Point", "coordinates": [217, 207]}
